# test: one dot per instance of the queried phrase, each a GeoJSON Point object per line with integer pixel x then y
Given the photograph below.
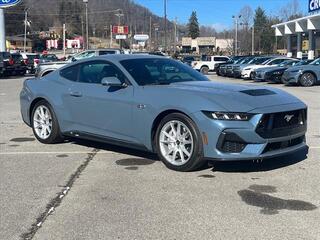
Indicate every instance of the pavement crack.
{"type": "Point", "coordinates": [56, 201]}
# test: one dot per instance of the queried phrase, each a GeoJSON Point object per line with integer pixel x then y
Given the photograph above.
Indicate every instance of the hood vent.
{"type": "Point", "coordinates": [258, 92]}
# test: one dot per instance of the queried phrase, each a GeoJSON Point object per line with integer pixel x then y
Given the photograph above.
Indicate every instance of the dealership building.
{"type": "Point", "coordinates": [302, 34]}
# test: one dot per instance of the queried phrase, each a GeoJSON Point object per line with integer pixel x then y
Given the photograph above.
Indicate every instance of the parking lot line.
{"type": "Point", "coordinates": [83, 152]}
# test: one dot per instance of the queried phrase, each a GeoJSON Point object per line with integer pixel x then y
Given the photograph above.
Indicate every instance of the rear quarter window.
{"type": "Point", "coordinates": [220, 59]}
{"type": "Point", "coordinates": [70, 73]}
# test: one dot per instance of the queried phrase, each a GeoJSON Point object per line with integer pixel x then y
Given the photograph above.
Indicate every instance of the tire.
{"type": "Point", "coordinates": [168, 148]}
{"type": "Point", "coordinates": [49, 121]}
{"type": "Point", "coordinates": [204, 70]}
{"type": "Point", "coordinates": [307, 79]}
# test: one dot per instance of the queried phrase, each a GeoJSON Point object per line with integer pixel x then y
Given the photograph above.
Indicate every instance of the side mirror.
{"type": "Point", "coordinates": [112, 82]}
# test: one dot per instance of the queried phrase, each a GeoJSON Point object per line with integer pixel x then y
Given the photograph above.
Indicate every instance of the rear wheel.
{"type": "Point", "coordinates": [179, 143]}
{"type": "Point", "coordinates": [45, 124]}
{"type": "Point", "coordinates": [307, 79]}
{"type": "Point", "coordinates": [204, 70]}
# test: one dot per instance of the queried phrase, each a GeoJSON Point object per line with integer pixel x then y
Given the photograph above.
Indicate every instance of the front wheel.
{"type": "Point", "coordinates": [204, 70]}
{"type": "Point", "coordinates": [45, 124]}
{"type": "Point", "coordinates": [307, 79]}
{"type": "Point", "coordinates": [179, 143]}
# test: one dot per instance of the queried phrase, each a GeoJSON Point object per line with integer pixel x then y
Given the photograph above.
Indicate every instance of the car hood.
{"type": "Point", "coordinates": [236, 97]}
{"type": "Point", "coordinates": [271, 69]}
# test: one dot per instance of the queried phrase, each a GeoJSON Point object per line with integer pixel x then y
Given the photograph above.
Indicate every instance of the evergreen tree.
{"type": "Point", "coordinates": [193, 26]}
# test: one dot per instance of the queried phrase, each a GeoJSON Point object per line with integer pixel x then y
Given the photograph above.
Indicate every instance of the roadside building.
{"type": "Point", "coordinates": [302, 36]}
{"type": "Point", "coordinates": [206, 45]}
{"type": "Point", "coordinates": [17, 43]}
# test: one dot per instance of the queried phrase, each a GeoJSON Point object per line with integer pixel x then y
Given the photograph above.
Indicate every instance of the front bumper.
{"type": "Point", "coordinates": [290, 77]}
{"type": "Point", "coordinates": [246, 74]}
{"type": "Point", "coordinates": [251, 145]}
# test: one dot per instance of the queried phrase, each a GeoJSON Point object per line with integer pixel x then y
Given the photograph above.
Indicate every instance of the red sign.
{"type": "Point", "coordinates": [120, 29]}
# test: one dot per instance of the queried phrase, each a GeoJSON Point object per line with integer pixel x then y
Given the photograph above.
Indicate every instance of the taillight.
{"type": "Point", "coordinates": [36, 61]}
{"type": "Point", "coordinates": [11, 61]}
{"type": "Point", "coordinates": [25, 61]}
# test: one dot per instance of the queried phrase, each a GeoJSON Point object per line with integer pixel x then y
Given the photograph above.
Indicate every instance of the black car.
{"type": "Point", "coordinates": [220, 67]}
{"type": "Point", "coordinates": [19, 65]}
{"type": "Point", "coordinates": [6, 64]}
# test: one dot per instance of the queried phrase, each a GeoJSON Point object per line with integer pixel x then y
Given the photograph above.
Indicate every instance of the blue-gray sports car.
{"type": "Point", "coordinates": [161, 105]}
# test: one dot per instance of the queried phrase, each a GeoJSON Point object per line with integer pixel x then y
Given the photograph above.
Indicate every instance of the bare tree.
{"type": "Point", "coordinates": [290, 11]}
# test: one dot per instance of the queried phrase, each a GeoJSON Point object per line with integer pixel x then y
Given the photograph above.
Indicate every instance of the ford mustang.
{"type": "Point", "coordinates": [161, 105]}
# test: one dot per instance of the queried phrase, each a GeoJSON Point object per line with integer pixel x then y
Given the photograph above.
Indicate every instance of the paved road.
{"type": "Point", "coordinates": [83, 190]}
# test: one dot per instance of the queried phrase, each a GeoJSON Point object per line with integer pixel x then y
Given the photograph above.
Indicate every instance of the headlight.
{"type": "Point", "coordinates": [247, 69]}
{"type": "Point", "coordinates": [228, 116]}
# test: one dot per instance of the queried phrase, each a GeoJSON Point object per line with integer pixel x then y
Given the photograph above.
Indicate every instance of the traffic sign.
{"type": "Point", "coordinates": [8, 3]}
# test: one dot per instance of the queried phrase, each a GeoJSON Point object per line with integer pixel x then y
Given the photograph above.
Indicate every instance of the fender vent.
{"type": "Point", "coordinates": [258, 92]}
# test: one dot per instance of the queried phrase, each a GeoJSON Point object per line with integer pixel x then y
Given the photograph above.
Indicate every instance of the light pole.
{"type": "Point", "coordinates": [87, 26]}
{"type": "Point", "coordinates": [119, 15]}
{"type": "Point", "coordinates": [252, 50]}
{"type": "Point", "coordinates": [25, 29]}
{"type": "Point", "coordinates": [165, 25]}
{"type": "Point", "coordinates": [237, 18]}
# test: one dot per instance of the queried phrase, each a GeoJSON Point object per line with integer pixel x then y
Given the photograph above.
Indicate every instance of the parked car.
{"type": "Point", "coordinates": [189, 59]}
{"type": "Point", "coordinates": [248, 72]}
{"type": "Point", "coordinates": [31, 60]}
{"type": "Point", "coordinates": [208, 64]}
{"type": "Point", "coordinates": [6, 63]}
{"type": "Point", "coordinates": [46, 68]}
{"type": "Point", "coordinates": [273, 74]}
{"type": "Point", "coordinates": [237, 69]}
{"type": "Point", "coordinates": [163, 106]}
{"type": "Point", "coordinates": [305, 75]}
{"type": "Point", "coordinates": [220, 67]}
{"type": "Point", "coordinates": [44, 58]}
{"type": "Point", "coordinates": [19, 65]}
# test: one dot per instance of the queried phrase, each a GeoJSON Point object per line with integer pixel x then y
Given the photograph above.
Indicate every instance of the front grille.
{"type": "Point", "coordinates": [233, 147]}
{"type": "Point", "coordinates": [284, 144]}
{"type": "Point", "coordinates": [282, 124]}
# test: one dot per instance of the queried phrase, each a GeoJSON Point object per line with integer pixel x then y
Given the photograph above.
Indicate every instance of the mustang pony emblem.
{"type": "Point", "coordinates": [288, 117]}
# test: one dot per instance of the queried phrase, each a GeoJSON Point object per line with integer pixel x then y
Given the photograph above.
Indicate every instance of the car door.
{"type": "Point", "coordinates": [101, 110]}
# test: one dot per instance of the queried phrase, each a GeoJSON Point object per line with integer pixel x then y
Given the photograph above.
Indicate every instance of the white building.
{"type": "Point", "coordinates": [296, 31]}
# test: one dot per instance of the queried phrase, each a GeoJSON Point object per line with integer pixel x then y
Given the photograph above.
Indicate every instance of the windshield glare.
{"type": "Point", "coordinates": [155, 71]}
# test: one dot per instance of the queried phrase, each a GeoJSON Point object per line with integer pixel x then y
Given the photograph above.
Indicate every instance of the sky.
{"type": "Point", "coordinates": [216, 13]}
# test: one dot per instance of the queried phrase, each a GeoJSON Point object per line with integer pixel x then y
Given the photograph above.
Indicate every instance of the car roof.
{"type": "Point", "coordinates": [120, 57]}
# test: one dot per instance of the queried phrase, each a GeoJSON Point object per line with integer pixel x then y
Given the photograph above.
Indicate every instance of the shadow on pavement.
{"type": "Point", "coordinates": [115, 148]}
{"type": "Point", "coordinates": [265, 165]}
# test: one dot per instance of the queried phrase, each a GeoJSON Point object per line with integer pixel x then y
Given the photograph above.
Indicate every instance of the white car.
{"type": "Point", "coordinates": [248, 72]}
{"type": "Point", "coordinates": [208, 63]}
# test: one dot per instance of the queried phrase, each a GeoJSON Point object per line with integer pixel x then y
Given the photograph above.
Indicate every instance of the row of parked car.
{"type": "Point", "coordinates": [19, 64]}
{"type": "Point", "coordinates": [271, 69]}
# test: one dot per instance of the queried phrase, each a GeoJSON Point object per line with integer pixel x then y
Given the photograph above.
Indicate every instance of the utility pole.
{"type": "Point", "coordinates": [175, 34]}
{"type": "Point", "coordinates": [82, 30]}
{"type": "Point", "coordinates": [111, 29]}
{"type": "Point", "coordinates": [165, 25]}
{"type": "Point", "coordinates": [25, 30]}
{"type": "Point", "coordinates": [64, 40]}
{"type": "Point", "coordinates": [150, 32]}
{"type": "Point", "coordinates": [252, 50]}
{"type": "Point", "coordinates": [2, 32]}
{"type": "Point", "coordinates": [87, 25]}
{"type": "Point", "coordinates": [236, 34]}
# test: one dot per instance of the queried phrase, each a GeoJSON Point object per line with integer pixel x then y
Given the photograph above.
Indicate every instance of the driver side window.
{"type": "Point", "coordinates": [95, 71]}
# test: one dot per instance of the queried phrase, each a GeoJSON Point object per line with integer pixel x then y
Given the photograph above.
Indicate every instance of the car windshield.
{"type": "Point", "coordinates": [315, 62]}
{"type": "Point", "coordinates": [155, 71]}
{"type": "Point", "coordinates": [303, 62]}
{"type": "Point", "coordinates": [288, 63]}
{"type": "Point", "coordinates": [259, 61]}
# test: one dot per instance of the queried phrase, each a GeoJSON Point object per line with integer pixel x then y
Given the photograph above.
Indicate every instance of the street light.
{"type": "Point", "coordinates": [237, 18]}
{"type": "Point", "coordinates": [26, 23]}
{"type": "Point", "coordinates": [87, 27]}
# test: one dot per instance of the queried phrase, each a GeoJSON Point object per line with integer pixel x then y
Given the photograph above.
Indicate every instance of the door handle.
{"type": "Point", "coordinates": [75, 94]}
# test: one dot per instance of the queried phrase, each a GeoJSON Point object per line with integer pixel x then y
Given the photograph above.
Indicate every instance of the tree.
{"type": "Point", "coordinates": [193, 26]}
{"type": "Point", "coordinates": [290, 11]}
{"type": "Point", "coordinates": [264, 33]}
{"type": "Point", "coordinates": [245, 33]}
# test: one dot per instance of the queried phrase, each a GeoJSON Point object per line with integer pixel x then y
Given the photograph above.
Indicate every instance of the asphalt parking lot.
{"type": "Point", "coordinates": [84, 190]}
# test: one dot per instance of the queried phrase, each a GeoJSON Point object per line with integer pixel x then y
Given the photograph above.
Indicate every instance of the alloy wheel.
{"type": "Point", "coordinates": [176, 142]}
{"type": "Point", "coordinates": [42, 122]}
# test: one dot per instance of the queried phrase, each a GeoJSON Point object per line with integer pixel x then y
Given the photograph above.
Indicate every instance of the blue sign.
{"type": "Point", "coordinates": [8, 3]}
{"type": "Point", "coordinates": [314, 5]}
